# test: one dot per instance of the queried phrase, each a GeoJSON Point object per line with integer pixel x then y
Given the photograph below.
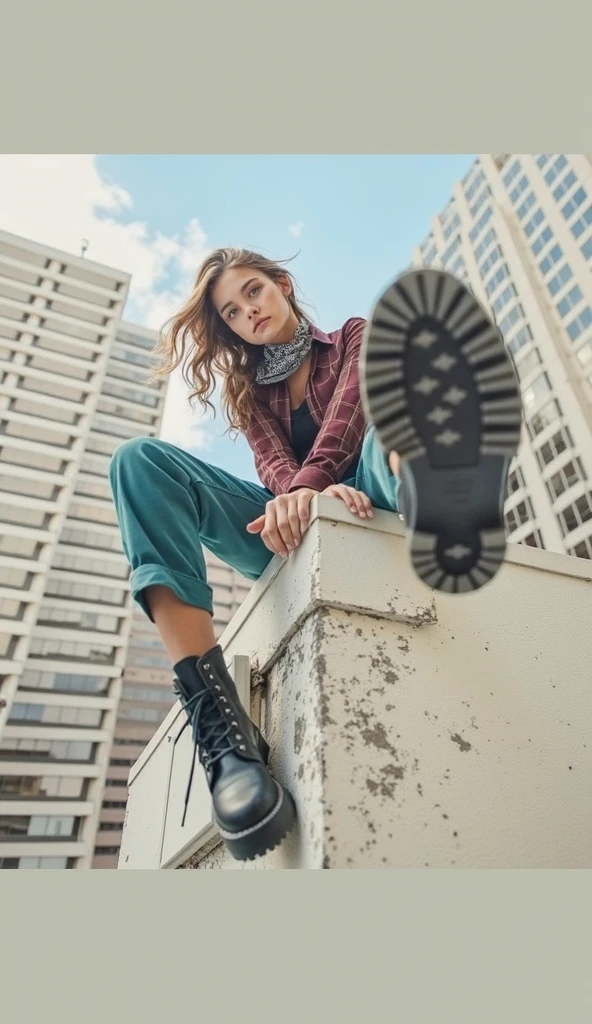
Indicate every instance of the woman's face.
{"type": "Point", "coordinates": [255, 307]}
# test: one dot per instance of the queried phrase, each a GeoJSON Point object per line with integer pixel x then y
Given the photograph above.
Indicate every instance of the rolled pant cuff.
{"type": "Point", "coordinates": [187, 588]}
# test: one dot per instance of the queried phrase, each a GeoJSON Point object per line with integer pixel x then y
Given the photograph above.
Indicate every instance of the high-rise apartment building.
{"type": "Point", "coordinates": [146, 699]}
{"type": "Point", "coordinates": [71, 389]}
{"type": "Point", "coordinates": [518, 230]}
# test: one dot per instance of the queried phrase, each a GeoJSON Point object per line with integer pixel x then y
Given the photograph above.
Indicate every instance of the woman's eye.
{"type": "Point", "coordinates": [255, 289]}
{"type": "Point", "coordinates": [231, 314]}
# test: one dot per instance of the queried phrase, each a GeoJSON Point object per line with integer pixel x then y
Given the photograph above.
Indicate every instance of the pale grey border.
{"type": "Point", "coordinates": [272, 77]}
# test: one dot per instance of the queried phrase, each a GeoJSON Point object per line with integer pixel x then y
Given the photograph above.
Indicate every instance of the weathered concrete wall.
{"type": "Point", "coordinates": [413, 731]}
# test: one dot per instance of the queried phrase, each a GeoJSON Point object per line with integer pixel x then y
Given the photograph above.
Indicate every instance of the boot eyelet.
{"type": "Point", "coordinates": [216, 687]}
{"type": "Point", "coordinates": [228, 711]}
{"type": "Point", "coordinates": [211, 676]}
{"type": "Point", "coordinates": [223, 699]}
{"type": "Point", "coordinates": [234, 723]}
{"type": "Point", "coordinates": [242, 747]}
{"type": "Point", "coordinates": [206, 666]}
{"type": "Point", "coordinates": [238, 736]}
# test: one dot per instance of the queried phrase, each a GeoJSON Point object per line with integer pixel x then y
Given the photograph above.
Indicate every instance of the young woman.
{"type": "Point", "coordinates": [427, 380]}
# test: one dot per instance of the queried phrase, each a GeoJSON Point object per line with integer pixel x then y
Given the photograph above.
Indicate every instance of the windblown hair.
{"type": "Point", "coordinates": [202, 342]}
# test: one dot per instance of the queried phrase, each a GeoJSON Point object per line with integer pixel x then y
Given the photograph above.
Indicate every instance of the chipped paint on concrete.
{"type": "Point", "coordinates": [415, 730]}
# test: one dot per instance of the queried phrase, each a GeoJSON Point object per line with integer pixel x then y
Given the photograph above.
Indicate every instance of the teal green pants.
{"type": "Point", "coordinates": [169, 503]}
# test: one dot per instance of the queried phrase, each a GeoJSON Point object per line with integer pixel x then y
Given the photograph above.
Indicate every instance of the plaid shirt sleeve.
{"type": "Point", "coordinates": [275, 462]}
{"type": "Point", "coordinates": [342, 431]}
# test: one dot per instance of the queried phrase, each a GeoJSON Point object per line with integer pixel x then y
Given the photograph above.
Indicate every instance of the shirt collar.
{"type": "Point", "coordinates": [319, 335]}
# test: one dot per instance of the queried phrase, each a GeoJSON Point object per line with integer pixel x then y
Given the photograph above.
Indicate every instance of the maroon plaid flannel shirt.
{"type": "Point", "coordinates": [333, 396]}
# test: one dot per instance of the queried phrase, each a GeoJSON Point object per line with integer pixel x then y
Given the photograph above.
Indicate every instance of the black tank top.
{"type": "Point", "coordinates": [304, 432]}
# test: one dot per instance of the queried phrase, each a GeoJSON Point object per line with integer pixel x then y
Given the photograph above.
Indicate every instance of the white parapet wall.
{"type": "Point", "coordinates": [413, 729]}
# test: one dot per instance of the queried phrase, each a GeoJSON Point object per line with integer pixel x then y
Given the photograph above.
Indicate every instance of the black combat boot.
{"type": "Point", "coordinates": [252, 811]}
{"type": "Point", "coordinates": [440, 387]}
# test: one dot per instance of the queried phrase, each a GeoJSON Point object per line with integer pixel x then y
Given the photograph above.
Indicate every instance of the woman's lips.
{"type": "Point", "coordinates": [261, 324]}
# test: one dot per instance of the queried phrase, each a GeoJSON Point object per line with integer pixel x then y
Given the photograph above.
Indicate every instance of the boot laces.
{"type": "Point", "coordinates": [212, 736]}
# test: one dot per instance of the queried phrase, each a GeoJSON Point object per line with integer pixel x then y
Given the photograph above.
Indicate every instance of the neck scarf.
{"type": "Point", "coordinates": [279, 361]}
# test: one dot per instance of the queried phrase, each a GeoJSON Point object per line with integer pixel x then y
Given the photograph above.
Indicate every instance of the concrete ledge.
{"type": "Point", "coordinates": [413, 730]}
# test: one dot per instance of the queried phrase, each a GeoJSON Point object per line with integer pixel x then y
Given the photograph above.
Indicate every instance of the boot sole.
{"type": "Point", "coordinates": [266, 834]}
{"type": "Point", "coordinates": [439, 386]}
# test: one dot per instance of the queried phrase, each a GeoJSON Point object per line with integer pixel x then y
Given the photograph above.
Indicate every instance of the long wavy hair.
{"type": "Point", "coordinates": [203, 343]}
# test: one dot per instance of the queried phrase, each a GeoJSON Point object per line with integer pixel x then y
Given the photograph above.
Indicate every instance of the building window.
{"type": "Point", "coordinates": [484, 244]}
{"type": "Point", "coordinates": [573, 297]}
{"type": "Point", "coordinates": [515, 480]}
{"type": "Point", "coordinates": [75, 619]}
{"type": "Point", "coordinates": [539, 244]}
{"type": "Point", "coordinates": [161, 694]}
{"type": "Point", "coordinates": [61, 682]}
{"type": "Point", "coordinates": [41, 787]}
{"type": "Point", "coordinates": [582, 223]}
{"type": "Point", "coordinates": [583, 549]}
{"type": "Point", "coordinates": [451, 226]}
{"type": "Point", "coordinates": [56, 714]}
{"type": "Point", "coordinates": [478, 228]}
{"type": "Point", "coordinates": [472, 189]}
{"type": "Point", "coordinates": [140, 714]}
{"type": "Point", "coordinates": [581, 322]}
{"type": "Point", "coordinates": [572, 204]}
{"type": "Point", "coordinates": [519, 189]}
{"type": "Point", "coordinates": [474, 209]}
{"type": "Point", "coordinates": [522, 337]}
{"type": "Point", "coordinates": [490, 262]}
{"type": "Point", "coordinates": [36, 862]}
{"type": "Point", "coordinates": [536, 391]}
{"type": "Point", "coordinates": [519, 515]}
{"type": "Point", "coordinates": [37, 826]}
{"type": "Point", "coordinates": [559, 442]}
{"type": "Point", "coordinates": [503, 299]}
{"type": "Point", "coordinates": [542, 159]}
{"type": "Point", "coordinates": [66, 650]}
{"type": "Point", "coordinates": [556, 283]}
{"type": "Point", "coordinates": [553, 257]}
{"type": "Point", "coordinates": [564, 186]}
{"type": "Point", "coordinates": [565, 478]}
{"type": "Point", "coordinates": [510, 319]}
{"type": "Point", "coordinates": [528, 363]}
{"type": "Point", "coordinates": [497, 279]}
{"type": "Point", "coordinates": [450, 251]}
{"type": "Point", "coordinates": [430, 256]}
{"type": "Point", "coordinates": [531, 225]}
{"type": "Point", "coordinates": [511, 173]}
{"type": "Point", "coordinates": [534, 540]}
{"type": "Point", "coordinates": [575, 515]}
{"type": "Point", "coordinates": [555, 169]}
{"type": "Point", "coordinates": [526, 206]}
{"type": "Point", "coordinates": [587, 249]}
{"type": "Point", "coordinates": [47, 750]}
{"type": "Point", "coordinates": [115, 805]}
{"type": "Point", "coordinates": [543, 417]}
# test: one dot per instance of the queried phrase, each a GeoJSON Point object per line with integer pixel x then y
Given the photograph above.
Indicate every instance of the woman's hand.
{"type": "Point", "coordinates": [356, 501]}
{"type": "Point", "coordinates": [285, 520]}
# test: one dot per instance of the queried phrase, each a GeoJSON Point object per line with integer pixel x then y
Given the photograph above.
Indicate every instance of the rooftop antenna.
{"type": "Point", "coordinates": [84, 246]}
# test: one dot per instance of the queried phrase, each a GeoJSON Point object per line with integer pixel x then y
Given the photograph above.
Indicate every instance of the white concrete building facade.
{"type": "Point", "coordinates": [70, 391]}
{"type": "Point", "coordinates": [518, 229]}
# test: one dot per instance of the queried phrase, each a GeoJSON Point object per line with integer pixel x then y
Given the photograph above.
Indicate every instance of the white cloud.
{"type": "Point", "coordinates": [296, 229]}
{"type": "Point", "coordinates": [61, 199]}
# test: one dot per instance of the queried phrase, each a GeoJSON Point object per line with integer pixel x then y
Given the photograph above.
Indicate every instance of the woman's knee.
{"type": "Point", "coordinates": [148, 455]}
{"type": "Point", "coordinates": [136, 454]}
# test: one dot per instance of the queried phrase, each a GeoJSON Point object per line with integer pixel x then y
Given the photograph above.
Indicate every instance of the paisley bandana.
{"type": "Point", "coordinates": [279, 361]}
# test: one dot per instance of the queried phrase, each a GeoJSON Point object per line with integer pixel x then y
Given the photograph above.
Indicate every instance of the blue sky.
{"type": "Point", "coordinates": [355, 220]}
